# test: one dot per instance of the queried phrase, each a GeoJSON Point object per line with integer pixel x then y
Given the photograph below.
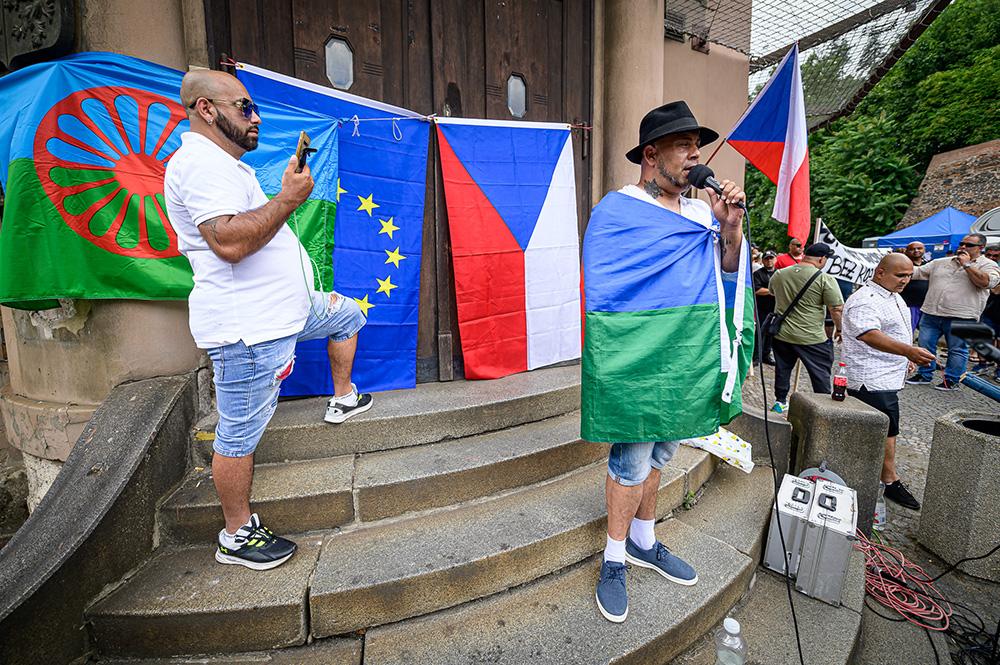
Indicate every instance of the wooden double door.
{"type": "Point", "coordinates": [496, 59]}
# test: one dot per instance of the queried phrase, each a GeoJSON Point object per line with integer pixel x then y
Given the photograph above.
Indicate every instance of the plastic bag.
{"type": "Point", "coordinates": [726, 446]}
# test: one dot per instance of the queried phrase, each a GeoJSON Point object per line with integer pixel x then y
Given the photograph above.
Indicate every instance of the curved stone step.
{"type": "Point", "coordinates": [183, 602]}
{"type": "Point", "coordinates": [377, 573]}
{"type": "Point", "coordinates": [555, 619]}
{"type": "Point", "coordinates": [430, 412]}
{"type": "Point", "coordinates": [306, 495]}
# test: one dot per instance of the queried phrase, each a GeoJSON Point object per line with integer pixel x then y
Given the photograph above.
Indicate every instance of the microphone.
{"type": "Point", "coordinates": [701, 177]}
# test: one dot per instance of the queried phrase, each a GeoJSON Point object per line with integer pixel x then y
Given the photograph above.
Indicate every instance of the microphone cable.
{"type": "Point", "coordinates": [758, 341]}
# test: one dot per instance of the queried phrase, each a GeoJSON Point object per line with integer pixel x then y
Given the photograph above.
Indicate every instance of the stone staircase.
{"type": "Point", "coordinates": [456, 523]}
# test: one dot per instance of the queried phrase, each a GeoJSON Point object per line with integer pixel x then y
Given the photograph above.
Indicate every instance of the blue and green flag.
{"type": "Point", "coordinates": [662, 357]}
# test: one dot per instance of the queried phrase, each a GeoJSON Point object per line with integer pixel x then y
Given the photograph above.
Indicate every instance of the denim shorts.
{"type": "Point", "coordinates": [248, 378]}
{"type": "Point", "coordinates": [629, 464]}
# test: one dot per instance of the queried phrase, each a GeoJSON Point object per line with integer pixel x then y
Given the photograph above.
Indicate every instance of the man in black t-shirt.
{"type": "Point", "coordinates": [915, 292]}
{"type": "Point", "coordinates": [765, 304]}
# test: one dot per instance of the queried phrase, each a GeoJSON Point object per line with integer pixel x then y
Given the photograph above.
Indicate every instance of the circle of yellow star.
{"type": "Point", "coordinates": [367, 204]}
{"type": "Point", "coordinates": [364, 304]}
{"type": "Point", "coordinates": [385, 285]}
{"type": "Point", "coordinates": [394, 257]}
{"type": "Point", "coordinates": [388, 227]}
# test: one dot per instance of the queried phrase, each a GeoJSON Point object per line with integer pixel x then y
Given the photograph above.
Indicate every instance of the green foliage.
{"type": "Point", "coordinates": [865, 169]}
{"type": "Point", "coordinates": [861, 184]}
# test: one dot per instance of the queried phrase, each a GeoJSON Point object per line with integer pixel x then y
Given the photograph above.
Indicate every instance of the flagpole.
{"type": "Point", "coordinates": [716, 151]}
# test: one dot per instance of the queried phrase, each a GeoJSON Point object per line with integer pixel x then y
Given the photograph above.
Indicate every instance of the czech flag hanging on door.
{"type": "Point", "coordinates": [510, 191]}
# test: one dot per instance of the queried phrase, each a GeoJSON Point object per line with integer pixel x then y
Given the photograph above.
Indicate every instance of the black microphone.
{"type": "Point", "coordinates": [701, 177]}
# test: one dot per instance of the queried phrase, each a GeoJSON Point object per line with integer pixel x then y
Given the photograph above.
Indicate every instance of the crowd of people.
{"type": "Point", "coordinates": [889, 327]}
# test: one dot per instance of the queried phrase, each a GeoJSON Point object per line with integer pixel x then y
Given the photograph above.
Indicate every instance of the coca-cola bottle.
{"type": "Point", "coordinates": [840, 383]}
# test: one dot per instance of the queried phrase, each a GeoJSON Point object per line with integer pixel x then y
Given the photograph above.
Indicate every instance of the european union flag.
{"type": "Point", "coordinates": [378, 233]}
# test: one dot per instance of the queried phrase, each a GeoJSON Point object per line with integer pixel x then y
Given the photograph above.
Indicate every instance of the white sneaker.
{"type": "Point", "coordinates": [338, 412]}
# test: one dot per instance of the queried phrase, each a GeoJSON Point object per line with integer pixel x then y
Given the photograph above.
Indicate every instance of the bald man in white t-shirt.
{"type": "Point", "coordinates": [253, 296]}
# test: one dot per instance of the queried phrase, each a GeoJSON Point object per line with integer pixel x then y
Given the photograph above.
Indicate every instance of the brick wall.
{"type": "Point", "coordinates": [967, 179]}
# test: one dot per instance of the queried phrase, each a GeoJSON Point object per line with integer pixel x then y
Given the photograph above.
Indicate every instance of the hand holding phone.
{"type": "Point", "coordinates": [302, 151]}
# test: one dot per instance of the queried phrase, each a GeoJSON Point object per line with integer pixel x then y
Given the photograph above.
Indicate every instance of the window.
{"type": "Point", "coordinates": [339, 63]}
{"type": "Point", "coordinates": [517, 96]}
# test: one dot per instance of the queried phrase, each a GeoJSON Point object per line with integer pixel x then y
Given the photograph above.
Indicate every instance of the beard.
{"type": "Point", "coordinates": [241, 138]}
{"type": "Point", "coordinates": [672, 179]}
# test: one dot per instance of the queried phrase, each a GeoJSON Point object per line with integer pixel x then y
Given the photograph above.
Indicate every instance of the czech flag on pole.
{"type": "Point", "coordinates": [511, 198]}
{"type": "Point", "coordinates": [772, 136]}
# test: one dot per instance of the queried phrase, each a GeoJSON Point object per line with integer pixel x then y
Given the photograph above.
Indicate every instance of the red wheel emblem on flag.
{"type": "Point", "coordinates": [100, 155]}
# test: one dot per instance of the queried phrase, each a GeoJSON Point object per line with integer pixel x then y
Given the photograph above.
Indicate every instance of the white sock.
{"type": "Point", "coordinates": [350, 399]}
{"type": "Point", "coordinates": [641, 533]}
{"type": "Point", "coordinates": [228, 540]}
{"type": "Point", "coordinates": [614, 550]}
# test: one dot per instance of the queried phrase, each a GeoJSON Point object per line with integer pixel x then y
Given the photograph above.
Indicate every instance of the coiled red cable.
{"type": "Point", "coordinates": [903, 586]}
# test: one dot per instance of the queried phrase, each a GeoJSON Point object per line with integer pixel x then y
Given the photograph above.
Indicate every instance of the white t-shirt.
{"type": "Point", "coordinates": [694, 209]}
{"type": "Point", "coordinates": [265, 296]}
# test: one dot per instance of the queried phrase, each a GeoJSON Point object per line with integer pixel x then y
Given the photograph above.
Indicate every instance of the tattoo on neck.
{"type": "Point", "coordinates": [652, 188]}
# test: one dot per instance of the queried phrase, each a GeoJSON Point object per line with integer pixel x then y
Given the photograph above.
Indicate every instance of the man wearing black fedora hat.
{"type": "Point", "coordinates": [637, 238]}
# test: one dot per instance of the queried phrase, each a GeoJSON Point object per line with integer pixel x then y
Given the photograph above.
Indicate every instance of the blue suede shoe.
{"type": "Point", "coordinates": [612, 600]}
{"type": "Point", "coordinates": [659, 558]}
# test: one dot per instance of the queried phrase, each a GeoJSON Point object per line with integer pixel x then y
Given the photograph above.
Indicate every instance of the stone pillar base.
{"type": "Point", "coordinates": [959, 516]}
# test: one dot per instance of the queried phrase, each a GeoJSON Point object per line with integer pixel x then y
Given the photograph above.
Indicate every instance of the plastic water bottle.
{"type": "Point", "coordinates": [840, 383]}
{"type": "Point", "coordinates": [730, 649]}
{"type": "Point", "coordinates": [878, 522]}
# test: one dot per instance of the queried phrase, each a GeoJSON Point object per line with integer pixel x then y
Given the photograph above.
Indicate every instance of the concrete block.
{"type": "Point", "coordinates": [959, 517]}
{"type": "Point", "coordinates": [41, 474]}
{"type": "Point", "coordinates": [756, 425]}
{"type": "Point", "coordinates": [849, 436]}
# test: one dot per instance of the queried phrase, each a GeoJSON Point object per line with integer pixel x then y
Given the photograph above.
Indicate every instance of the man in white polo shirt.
{"type": "Point", "coordinates": [253, 296]}
{"type": "Point", "coordinates": [878, 349]}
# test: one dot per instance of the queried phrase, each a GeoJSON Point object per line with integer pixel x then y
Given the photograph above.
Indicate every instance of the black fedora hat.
{"type": "Point", "coordinates": [672, 118]}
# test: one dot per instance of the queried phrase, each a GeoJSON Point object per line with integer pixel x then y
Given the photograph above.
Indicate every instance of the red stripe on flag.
{"type": "Point", "coordinates": [799, 221]}
{"type": "Point", "coordinates": [489, 276]}
{"type": "Point", "coordinates": [765, 155]}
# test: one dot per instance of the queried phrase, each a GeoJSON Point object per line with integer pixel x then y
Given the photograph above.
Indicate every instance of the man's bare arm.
{"type": "Point", "coordinates": [836, 313]}
{"type": "Point", "coordinates": [235, 237]}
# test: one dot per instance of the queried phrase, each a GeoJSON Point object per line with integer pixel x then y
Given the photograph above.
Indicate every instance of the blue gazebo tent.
{"type": "Point", "coordinates": [945, 228]}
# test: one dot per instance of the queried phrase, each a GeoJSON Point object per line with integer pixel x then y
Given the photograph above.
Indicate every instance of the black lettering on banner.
{"type": "Point", "coordinates": [835, 266]}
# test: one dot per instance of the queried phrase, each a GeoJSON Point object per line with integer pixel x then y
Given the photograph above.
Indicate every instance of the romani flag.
{"type": "Point", "coordinates": [772, 136]}
{"type": "Point", "coordinates": [511, 197]}
{"type": "Point", "coordinates": [84, 142]}
{"type": "Point", "coordinates": [662, 357]}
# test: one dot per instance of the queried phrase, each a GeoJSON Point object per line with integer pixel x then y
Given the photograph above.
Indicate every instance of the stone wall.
{"type": "Point", "coordinates": [967, 179]}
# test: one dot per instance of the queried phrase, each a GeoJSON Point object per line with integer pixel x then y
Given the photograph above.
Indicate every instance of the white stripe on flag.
{"type": "Point", "coordinates": [796, 143]}
{"type": "Point", "coordinates": [552, 271]}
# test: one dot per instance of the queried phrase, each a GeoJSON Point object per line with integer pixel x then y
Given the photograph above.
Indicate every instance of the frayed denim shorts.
{"type": "Point", "coordinates": [629, 464]}
{"type": "Point", "coordinates": [248, 378]}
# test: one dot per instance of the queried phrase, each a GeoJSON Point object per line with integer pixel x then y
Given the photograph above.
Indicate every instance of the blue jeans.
{"type": "Point", "coordinates": [629, 464]}
{"type": "Point", "coordinates": [248, 378]}
{"type": "Point", "coordinates": [931, 329]}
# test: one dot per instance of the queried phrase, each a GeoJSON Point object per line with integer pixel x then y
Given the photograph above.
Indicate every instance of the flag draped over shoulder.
{"type": "Point", "coordinates": [84, 142]}
{"type": "Point", "coordinates": [511, 197]}
{"type": "Point", "coordinates": [772, 135]}
{"type": "Point", "coordinates": [379, 196]}
{"type": "Point", "coordinates": [662, 360]}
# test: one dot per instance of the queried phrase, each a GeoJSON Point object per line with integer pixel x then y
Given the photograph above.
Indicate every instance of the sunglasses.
{"type": "Point", "coordinates": [969, 244]}
{"type": "Point", "coordinates": [246, 107]}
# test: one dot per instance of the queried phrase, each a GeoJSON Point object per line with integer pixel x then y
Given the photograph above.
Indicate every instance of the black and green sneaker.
{"type": "Point", "coordinates": [256, 547]}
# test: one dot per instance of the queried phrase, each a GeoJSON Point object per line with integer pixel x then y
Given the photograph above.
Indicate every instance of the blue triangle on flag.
{"type": "Point", "coordinates": [512, 166]}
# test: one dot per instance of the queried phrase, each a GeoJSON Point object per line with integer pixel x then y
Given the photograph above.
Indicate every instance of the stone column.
{"type": "Point", "coordinates": [62, 367]}
{"type": "Point", "coordinates": [633, 81]}
{"type": "Point", "coordinates": [849, 436]}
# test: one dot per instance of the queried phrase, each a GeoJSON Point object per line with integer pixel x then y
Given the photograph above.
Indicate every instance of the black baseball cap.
{"type": "Point", "coordinates": [769, 254]}
{"type": "Point", "coordinates": [819, 249]}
